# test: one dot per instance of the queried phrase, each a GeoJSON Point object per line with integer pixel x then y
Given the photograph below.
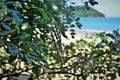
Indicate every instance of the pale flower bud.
{"type": "Point", "coordinates": [55, 8]}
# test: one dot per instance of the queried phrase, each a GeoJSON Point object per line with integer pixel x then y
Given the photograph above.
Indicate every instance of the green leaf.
{"type": "Point", "coordinates": [3, 33]}
{"type": "Point", "coordinates": [36, 71]}
{"type": "Point", "coordinates": [10, 2]}
{"type": "Point", "coordinates": [25, 25]}
{"type": "Point", "coordinates": [72, 33]}
{"type": "Point", "coordinates": [72, 30]}
{"type": "Point", "coordinates": [15, 14]}
{"type": "Point", "coordinates": [37, 59]}
{"type": "Point", "coordinates": [77, 19]}
{"type": "Point", "coordinates": [28, 57]}
{"type": "Point", "coordinates": [57, 65]}
{"type": "Point", "coordinates": [79, 25]}
{"type": "Point", "coordinates": [5, 26]}
{"type": "Point", "coordinates": [112, 75]}
{"type": "Point", "coordinates": [11, 58]}
{"type": "Point", "coordinates": [13, 49]}
{"type": "Point", "coordinates": [111, 35]}
{"type": "Point", "coordinates": [37, 50]}
{"type": "Point", "coordinates": [26, 48]}
{"type": "Point", "coordinates": [44, 16]}
{"type": "Point", "coordinates": [1, 41]}
{"type": "Point", "coordinates": [55, 56]}
{"type": "Point", "coordinates": [63, 33]}
{"type": "Point", "coordinates": [72, 25]}
{"type": "Point", "coordinates": [22, 36]}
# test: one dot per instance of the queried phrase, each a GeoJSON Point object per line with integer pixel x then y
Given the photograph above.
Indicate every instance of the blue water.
{"type": "Point", "coordinates": [100, 23]}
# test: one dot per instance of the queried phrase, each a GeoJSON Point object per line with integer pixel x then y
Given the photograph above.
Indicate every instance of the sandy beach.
{"type": "Point", "coordinates": [80, 33]}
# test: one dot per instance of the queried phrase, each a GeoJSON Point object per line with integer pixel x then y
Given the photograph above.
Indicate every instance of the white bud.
{"type": "Point", "coordinates": [55, 8]}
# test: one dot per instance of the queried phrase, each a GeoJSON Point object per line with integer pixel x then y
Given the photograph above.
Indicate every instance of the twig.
{"type": "Point", "coordinates": [82, 74]}
{"type": "Point", "coordinates": [62, 72]}
{"type": "Point", "coordinates": [114, 47]}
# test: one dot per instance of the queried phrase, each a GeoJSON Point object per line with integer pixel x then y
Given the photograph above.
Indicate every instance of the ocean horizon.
{"type": "Point", "coordinates": [100, 23]}
{"type": "Point", "coordinates": [92, 25]}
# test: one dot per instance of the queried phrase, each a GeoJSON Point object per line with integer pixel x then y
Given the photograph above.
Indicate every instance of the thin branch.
{"type": "Point", "coordinates": [62, 72]}
{"type": "Point", "coordinates": [82, 74]}
{"type": "Point", "coordinates": [114, 47]}
{"type": "Point", "coordinates": [58, 51]}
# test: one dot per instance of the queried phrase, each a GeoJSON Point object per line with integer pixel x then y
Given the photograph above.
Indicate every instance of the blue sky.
{"type": "Point", "coordinates": [111, 8]}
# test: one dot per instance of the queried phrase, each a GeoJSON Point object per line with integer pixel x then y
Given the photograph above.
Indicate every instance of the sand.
{"type": "Point", "coordinates": [80, 33]}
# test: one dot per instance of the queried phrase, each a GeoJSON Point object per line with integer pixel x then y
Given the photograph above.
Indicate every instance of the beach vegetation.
{"type": "Point", "coordinates": [31, 46]}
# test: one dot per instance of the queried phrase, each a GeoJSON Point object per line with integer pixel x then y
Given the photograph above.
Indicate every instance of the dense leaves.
{"type": "Point", "coordinates": [30, 43]}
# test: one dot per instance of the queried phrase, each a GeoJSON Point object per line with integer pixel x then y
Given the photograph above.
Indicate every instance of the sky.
{"type": "Point", "coordinates": [110, 8]}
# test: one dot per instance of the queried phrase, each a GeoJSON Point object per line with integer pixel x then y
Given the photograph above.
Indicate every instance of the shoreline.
{"type": "Point", "coordinates": [80, 33]}
{"type": "Point", "coordinates": [94, 31]}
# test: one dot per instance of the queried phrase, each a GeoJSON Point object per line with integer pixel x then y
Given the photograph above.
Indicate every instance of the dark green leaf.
{"type": "Point", "coordinates": [15, 14]}
{"type": "Point", "coordinates": [3, 33]}
{"type": "Point", "coordinates": [77, 19]}
{"type": "Point", "coordinates": [22, 36]}
{"type": "Point", "coordinates": [55, 56]}
{"type": "Point", "coordinates": [36, 71]}
{"type": "Point", "coordinates": [72, 25]}
{"type": "Point", "coordinates": [72, 30]}
{"type": "Point", "coordinates": [32, 43]}
{"type": "Point", "coordinates": [72, 2]}
{"type": "Point", "coordinates": [79, 25]}
{"type": "Point", "coordinates": [13, 49]}
{"type": "Point", "coordinates": [28, 57]}
{"type": "Point", "coordinates": [99, 45]}
{"type": "Point", "coordinates": [112, 75]}
{"type": "Point", "coordinates": [10, 2]}
{"type": "Point", "coordinates": [64, 35]}
{"type": "Point", "coordinates": [73, 36]}
{"type": "Point", "coordinates": [5, 26]}
{"type": "Point", "coordinates": [1, 41]}
{"type": "Point", "coordinates": [101, 77]}
{"type": "Point", "coordinates": [111, 35]}
{"type": "Point", "coordinates": [37, 50]}
{"type": "Point", "coordinates": [11, 58]}
{"type": "Point", "coordinates": [72, 33]}
{"type": "Point", "coordinates": [37, 59]}
{"type": "Point", "coordinates": [92, 2]}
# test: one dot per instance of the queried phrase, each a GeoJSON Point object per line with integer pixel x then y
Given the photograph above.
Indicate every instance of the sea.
{"type": "Point", "coordinates": [93, 25]}
{"type": "Point", "coordinates": [100, 23]}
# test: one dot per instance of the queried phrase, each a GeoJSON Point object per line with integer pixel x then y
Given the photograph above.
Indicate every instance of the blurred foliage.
{"type": "Point", "coordinates": [30, 43]}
